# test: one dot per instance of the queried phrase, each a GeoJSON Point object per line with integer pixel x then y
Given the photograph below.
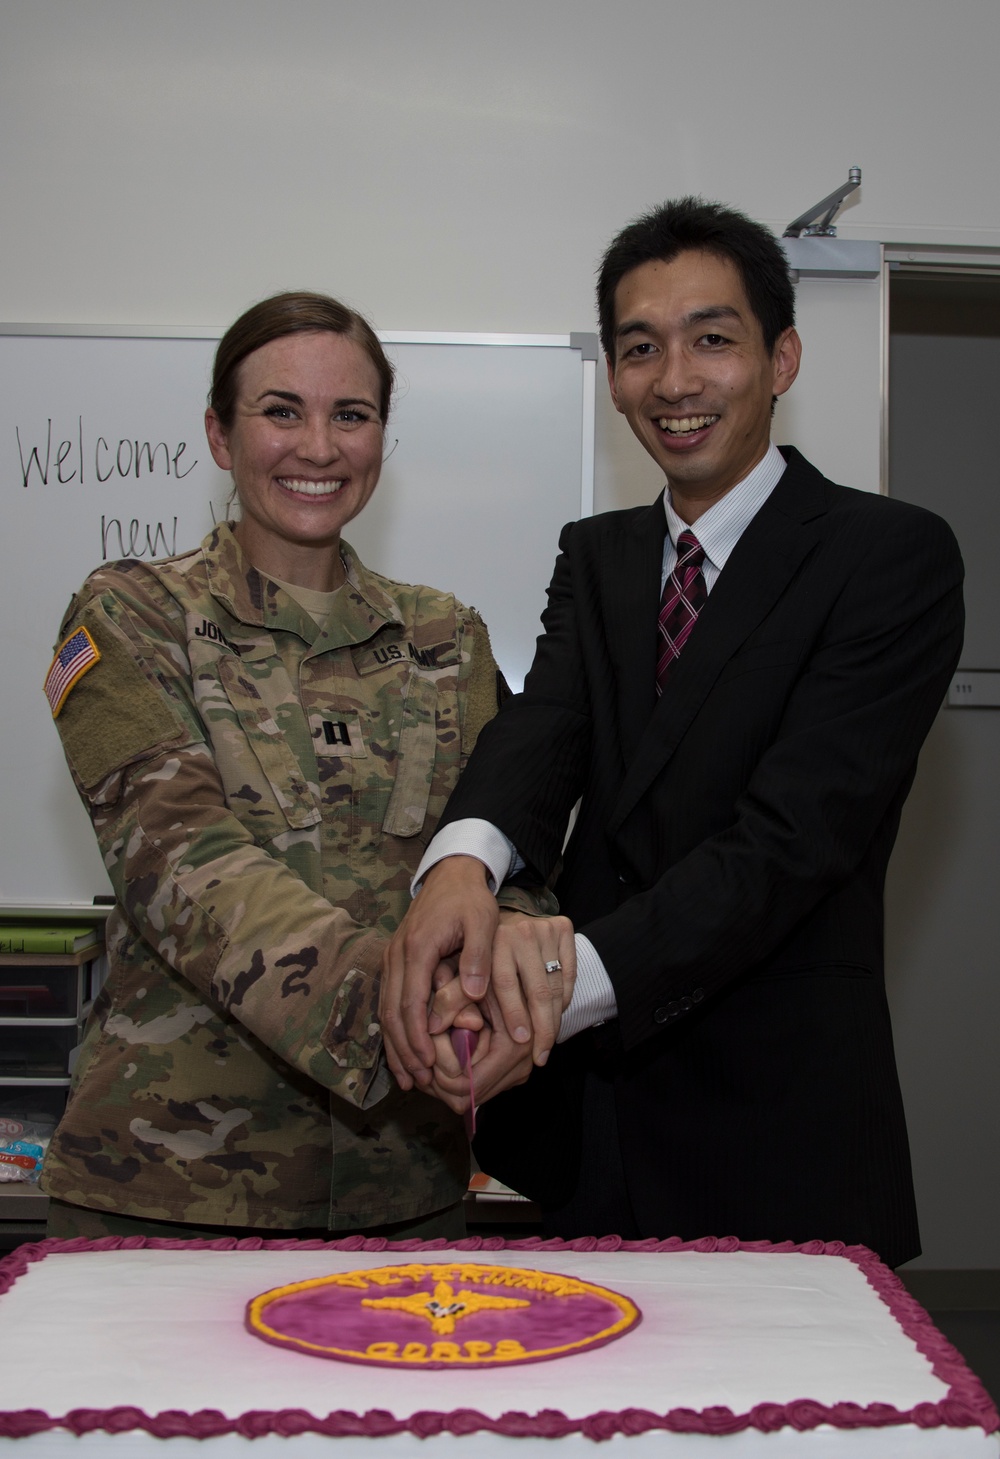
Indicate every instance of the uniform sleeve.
{"type": "Point", "coordinates": [238, 924]}
{"type": "Point", "coordinates": [482, 689]}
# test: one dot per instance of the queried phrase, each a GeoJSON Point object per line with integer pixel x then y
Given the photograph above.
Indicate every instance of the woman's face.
{"type": "Point", "coordinates": [305, 451]}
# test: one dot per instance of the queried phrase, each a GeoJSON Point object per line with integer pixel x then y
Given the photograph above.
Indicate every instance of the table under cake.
{"type": "Point", "coordinates": [748, 1350]}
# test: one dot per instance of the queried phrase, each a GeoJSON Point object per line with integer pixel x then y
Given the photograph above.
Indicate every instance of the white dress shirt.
{"type": "Point", "coordinates": [718, 530]}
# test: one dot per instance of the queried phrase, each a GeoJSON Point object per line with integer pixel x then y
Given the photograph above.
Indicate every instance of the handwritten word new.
{"type": "Point", "coordinates": [136, 539]}
{"type": "Point", "coordinates": [64, 460]}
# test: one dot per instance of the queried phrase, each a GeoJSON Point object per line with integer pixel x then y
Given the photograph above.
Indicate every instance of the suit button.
{"type": "Point", "coordinates": [623, 879]}
{"type": "Point", "coordinates": [687, 1004]}
{"type": "Point", "coordinates": [697, 995]}
{"type": "Point", "coordinates": [673, 1009]}
{"type": "Point", "coordinates": [661, 1015]}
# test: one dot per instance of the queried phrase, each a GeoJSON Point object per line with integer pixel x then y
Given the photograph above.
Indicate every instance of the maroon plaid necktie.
{"type": "Point", "coordinates": [684, 597]}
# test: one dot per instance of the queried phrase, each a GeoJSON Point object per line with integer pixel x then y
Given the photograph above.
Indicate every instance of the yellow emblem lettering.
{"type": "Point", "coordinates": [381, 1349]}
{"type": "Point", "coordinates": [414, 1352]}
{"type": "Point", "coordinates": [508, 1347]}
{"type": "Point", "coordinates": [477, 1350]}
{"type": "Point", "coordinates": [445, 1352]}
{"type": "Point", "coordinates": [386, 1277]}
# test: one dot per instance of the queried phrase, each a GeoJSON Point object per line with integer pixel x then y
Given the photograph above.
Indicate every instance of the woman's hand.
{"type": "Point", "coordinates": [453, 914]}
{"type": "Point", "coordinates": [452, 1009]}
{"type": "Point", "coordinates": [526, 991]}
{"type": "Point", "coordinates": [499, 1061]}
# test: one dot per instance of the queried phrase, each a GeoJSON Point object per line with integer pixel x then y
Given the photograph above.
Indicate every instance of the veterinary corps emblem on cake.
{"type": "Point", "coordinates": [446, 1315]}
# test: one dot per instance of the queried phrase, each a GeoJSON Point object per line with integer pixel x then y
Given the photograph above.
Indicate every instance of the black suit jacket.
{"type": "Point", "coordinates": [728, 859]}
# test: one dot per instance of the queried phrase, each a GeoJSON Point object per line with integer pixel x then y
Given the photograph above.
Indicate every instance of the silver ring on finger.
{"type": "Point", "coordinates": [555, 966]}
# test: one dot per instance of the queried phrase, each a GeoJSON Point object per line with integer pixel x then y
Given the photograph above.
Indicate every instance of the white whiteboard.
{"type": "Point", "coordinates": [103, 455]}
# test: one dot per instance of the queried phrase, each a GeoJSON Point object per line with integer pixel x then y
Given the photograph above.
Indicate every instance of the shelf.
{"type": "Point", "coordinates": [52, 959]}
{"type": "Point", "coordinates": [20, 1201]}
{"type": "Point", "coordinates": [43, 1081]}
{"type": "Point", "coordinates": [17, 1021]}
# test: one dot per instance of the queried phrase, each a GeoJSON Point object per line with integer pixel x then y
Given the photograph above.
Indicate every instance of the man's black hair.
{"type": "Point", "coordinates": [691, 224]}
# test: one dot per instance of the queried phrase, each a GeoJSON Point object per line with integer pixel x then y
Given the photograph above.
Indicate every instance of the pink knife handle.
{"type": "Point", "coordinates": [464, 1041]}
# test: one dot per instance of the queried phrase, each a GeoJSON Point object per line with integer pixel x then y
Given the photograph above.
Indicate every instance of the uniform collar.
{"type": "Point", "coordinates": [253, 598]}
{"type": "Point", "coordinates": [370, 585]}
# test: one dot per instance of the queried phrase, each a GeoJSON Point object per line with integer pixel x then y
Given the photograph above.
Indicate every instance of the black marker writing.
{"type": "Point", "coordinates": [141, 541]}
{"type": "Point", "coordinates": [34, 458]}
{"type": "Point", "coordinates": [127, 457]}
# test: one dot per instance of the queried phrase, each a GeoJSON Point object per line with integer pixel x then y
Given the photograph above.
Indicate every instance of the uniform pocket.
{"type": "Point", "coordinates": [280, 767]}
{"type": "Point", "coordinates": [414, 759]}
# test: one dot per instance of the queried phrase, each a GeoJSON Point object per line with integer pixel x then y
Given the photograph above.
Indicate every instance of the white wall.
{"type": "Point", "coordinates": [458, 164]}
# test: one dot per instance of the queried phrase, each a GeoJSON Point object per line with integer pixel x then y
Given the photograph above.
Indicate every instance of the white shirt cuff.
{"type": "Point", "coordinates": [471, 837]}
{"type": "Point", "coordinates": [593, 998]}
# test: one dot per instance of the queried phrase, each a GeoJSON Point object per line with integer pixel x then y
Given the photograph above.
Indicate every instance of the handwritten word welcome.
{"type": "Point", "coordinates": [128, 457]}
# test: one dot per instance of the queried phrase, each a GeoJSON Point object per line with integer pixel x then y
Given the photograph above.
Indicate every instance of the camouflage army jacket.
{"type": "Point", "coordinates": [262, 791]}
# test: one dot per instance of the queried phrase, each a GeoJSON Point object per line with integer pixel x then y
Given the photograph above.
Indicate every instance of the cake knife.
{"type": "Point", "coordinates": [464, 1041]}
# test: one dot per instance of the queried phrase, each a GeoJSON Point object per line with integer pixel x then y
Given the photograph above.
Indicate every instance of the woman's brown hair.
{"type": "Point", "coordinates": [281, 315]}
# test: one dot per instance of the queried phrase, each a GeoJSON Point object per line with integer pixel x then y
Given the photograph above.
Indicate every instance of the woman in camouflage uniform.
{"type": "Point", "coordinates": [265, 733]}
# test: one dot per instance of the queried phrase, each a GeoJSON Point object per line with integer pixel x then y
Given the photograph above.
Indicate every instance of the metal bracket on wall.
{"type": "Point", "coordinates": [813, 249]}
{"type": "Point", "coordinates": [817, 221]}
{"type": "Point", "coordinates": [832, 258]}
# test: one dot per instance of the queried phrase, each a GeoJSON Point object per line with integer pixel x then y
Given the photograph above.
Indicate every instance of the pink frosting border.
{"type": "Point", "coordinates": [966, 1405]}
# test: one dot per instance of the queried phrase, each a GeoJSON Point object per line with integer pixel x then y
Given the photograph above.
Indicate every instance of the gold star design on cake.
{"type": "Point", "coordinates": [445, 1307]}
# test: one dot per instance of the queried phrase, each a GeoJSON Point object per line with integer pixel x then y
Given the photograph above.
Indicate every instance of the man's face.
{"type": "Point", "coordinates": [692, 375]}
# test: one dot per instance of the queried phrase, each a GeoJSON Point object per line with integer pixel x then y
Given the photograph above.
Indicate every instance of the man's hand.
{"type": "Point", "coordinates": [521, 951]}
{"type": "Point", "coordinates": [450, 1007]}
{"type": "Point", "coordinates": [529, 992]}
{"type": "Point", "coordinates": [454, 912]}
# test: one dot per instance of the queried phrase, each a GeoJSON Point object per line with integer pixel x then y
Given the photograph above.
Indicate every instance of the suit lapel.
{"type": "Point", "coordinates": [759, 569]}
{"type": "Point", "coordinates": [630, 570]}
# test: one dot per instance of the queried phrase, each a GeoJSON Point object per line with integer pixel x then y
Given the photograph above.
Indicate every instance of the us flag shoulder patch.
{"type": "Point", "coordinates": [74, 657]}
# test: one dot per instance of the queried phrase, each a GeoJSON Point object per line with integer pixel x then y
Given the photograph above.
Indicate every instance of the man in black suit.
{"type": "Point", "coordinates": [735, 683]}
